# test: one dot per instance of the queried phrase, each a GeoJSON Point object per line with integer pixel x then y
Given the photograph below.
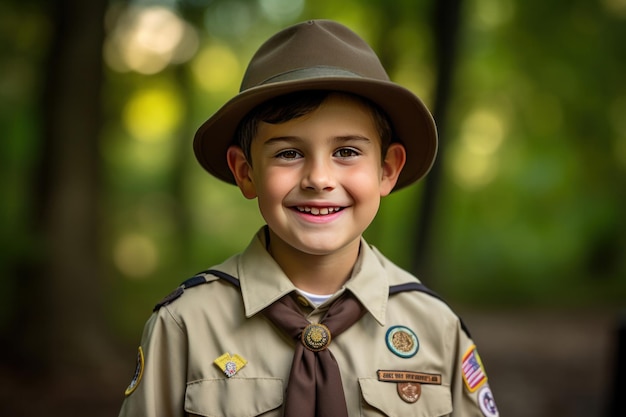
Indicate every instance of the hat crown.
{"type": "Point", "coordinates": [313, 49]}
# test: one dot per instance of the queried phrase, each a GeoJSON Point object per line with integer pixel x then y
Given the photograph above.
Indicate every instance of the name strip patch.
{"type": "Point", "coordinates": [409, 376]}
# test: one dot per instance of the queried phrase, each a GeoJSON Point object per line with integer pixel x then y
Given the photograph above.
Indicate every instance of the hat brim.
{"type": "Point", "coordinates": [411, 121]}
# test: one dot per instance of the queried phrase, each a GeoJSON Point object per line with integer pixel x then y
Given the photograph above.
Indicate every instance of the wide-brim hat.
{"type": "Point", "coordinates": [320, 55]}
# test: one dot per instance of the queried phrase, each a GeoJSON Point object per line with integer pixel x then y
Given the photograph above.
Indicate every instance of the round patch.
{"type": "Point", "coordinates": [138, 373]}
{"type": "Point", "coordinates": [409, 391]}
{"type": "Point", "coordinates": [316, 337]}
{"type": "Point", "coordinates": [487, 403]}
{"type": "Point", "coordinates": [402, 341]}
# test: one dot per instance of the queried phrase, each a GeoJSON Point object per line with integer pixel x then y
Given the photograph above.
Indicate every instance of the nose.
{"type": "Point", "coordinates": [318, 176]}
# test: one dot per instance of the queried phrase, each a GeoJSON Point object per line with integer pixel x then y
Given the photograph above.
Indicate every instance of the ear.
{"type": "Point", "coordinates": [242, 171]}
{"type": "Point", "coordinates": [392, 166]}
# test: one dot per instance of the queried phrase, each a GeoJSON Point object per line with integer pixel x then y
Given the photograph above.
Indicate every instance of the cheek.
{"type": "Point", "coordinates": [364, 182]}
{"type": "Point", "coordinates": [272, 186]}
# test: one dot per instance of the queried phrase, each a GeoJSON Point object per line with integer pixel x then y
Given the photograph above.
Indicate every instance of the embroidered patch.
{"type": "Point", "coordinates": [230, 365]}
{"type": "Point", "coordinates": [402, 341]}
{"type": "Point", "coordinates": [410, 392]}
{"type": "Point", "coordinates": [487, 403]}
{"type": "Point", "coordinates": [473, 371]}
{"type": "Point", "coordinates": [409, 376]}
{"type": "Point", "coordinates": [138, 373]}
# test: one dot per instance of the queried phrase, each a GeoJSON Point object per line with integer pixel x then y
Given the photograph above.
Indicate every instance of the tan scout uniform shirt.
{"type": "Point", "coordinates": [182, 339]}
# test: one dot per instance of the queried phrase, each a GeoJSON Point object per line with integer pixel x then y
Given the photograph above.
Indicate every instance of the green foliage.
{"type": "Point", "coordinates": [531, 203]}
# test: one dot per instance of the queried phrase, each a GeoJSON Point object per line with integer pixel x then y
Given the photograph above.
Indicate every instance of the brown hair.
{"type": "Point", "coordinates": [291, 106]}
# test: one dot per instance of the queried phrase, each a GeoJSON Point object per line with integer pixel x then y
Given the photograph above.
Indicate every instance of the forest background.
{"type": "Point", "coordinates": [520, 225]}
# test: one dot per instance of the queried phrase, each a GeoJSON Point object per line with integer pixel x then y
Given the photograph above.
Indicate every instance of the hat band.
{"type": "Point", "coordinates": [311, 72]}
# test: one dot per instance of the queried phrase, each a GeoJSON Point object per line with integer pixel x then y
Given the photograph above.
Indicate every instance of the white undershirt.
{"type": "Point", "coordinates": [315, 299]}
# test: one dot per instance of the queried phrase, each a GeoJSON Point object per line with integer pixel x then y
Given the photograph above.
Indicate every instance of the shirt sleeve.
{"type": "Point", "coordinates": [471, 394]}
{"type": "Point", "coordinates": [158, 385]}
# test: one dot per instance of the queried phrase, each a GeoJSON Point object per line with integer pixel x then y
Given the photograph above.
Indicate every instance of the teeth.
{"type": "Point", "coordinates": [316, 211]}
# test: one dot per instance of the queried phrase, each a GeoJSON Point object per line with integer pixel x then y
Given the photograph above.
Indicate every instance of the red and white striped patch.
{"type": "Point", "coordinates": [473, 371]}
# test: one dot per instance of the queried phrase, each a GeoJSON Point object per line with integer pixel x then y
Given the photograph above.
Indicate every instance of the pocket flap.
{"type": "Point", "coordinates": [234, 397]}
{"type": "Point", "coordinates": [434, 401]}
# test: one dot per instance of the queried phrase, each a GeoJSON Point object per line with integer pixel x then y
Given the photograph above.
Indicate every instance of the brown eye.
{"type": "Point", "coordinates": [288, 154]}
{"type": "Point", "coordinates": [346, 153]}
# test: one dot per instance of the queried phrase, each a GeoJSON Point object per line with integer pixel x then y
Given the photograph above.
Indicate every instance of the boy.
{"type": "Point", "coordinates": [310, 320]}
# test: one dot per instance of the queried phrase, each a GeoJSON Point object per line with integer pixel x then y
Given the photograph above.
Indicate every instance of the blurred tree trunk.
{"type": "Point", "coordinates": [446, 22]}
{"type": "Point", "coordinates": [445, 26]}
{"type": "Point", "coordinates": [61, 323]}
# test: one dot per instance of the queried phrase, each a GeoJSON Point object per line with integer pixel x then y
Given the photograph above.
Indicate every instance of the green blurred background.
{"type": "Point", "coordinates": [104, 209]}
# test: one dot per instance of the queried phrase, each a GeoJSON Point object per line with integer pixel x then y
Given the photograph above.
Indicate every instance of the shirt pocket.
{"type": "Point", "coordinates": [382, 399]}
{"type": "Point", "coordinates": [234, 397]}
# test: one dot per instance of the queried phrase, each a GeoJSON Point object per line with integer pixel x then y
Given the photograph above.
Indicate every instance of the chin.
{"type": "Point", "coordinates": [321, 249]}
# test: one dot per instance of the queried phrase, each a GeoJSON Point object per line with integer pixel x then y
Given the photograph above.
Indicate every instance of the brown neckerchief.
{"type": "Point", "coordinates": [314, 388]}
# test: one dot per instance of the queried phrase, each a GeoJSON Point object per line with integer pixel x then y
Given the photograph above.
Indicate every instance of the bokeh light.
{"type": "Point", "coordinates": [217, 69]}
{"type": "Point", "coordinates": [135, 255]}
{"type": "Point", "coordinates": [146, 39]}
{"type": "Point", "coordinates": [280, 11]}
{"type": "Point", "coordinates": [473, 163]}
{"type": "Point", "coordinates": [152, 114]}
{"type": "Point", "coordinates": [229, 19]}
{"type": "Point", "coordinates": [615, 7]}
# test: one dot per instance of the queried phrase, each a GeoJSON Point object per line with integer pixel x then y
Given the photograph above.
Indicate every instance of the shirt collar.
{"type": "Point", "coordinates": [261, 278]}
{"type": "Point", "coordinates": [369, 282]}
{"type": "Point", "coordinates": [263, 281]}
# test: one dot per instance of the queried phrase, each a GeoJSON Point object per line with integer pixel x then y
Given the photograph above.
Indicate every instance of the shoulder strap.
{"type": "Point", "coordinates": [224, 276]}
{"type": "Point", "coordinates": [194, 281]}
{"type": "Point", "coordinates": [413, 286]}
{"type": "Point", "coordinates": [417, 286]}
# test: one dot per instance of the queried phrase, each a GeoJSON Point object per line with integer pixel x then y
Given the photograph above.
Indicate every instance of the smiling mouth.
{"type": "Point", "coordinates": [318, 211]}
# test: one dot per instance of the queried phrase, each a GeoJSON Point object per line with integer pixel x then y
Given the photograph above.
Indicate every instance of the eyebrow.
{"type": "Point", "coordinates": [336, 139]}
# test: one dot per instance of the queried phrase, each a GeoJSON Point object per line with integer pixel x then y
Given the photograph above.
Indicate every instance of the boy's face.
{"type": "Point", "coordinates": [319, 178]}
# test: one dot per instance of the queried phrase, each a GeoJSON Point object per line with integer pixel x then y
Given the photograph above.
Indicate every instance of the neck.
{"type": "Point", "coordinates": [317, 274]}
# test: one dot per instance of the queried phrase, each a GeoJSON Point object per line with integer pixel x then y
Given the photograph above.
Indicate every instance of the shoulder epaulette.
{"type": "Point", "coordinates": [417, 286]}
{"type": "Point", "coordinates": [198, 279]}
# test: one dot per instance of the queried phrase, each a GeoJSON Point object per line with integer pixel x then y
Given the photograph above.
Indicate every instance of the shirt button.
{"type": "Point", "coordinates": [302, 301]}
